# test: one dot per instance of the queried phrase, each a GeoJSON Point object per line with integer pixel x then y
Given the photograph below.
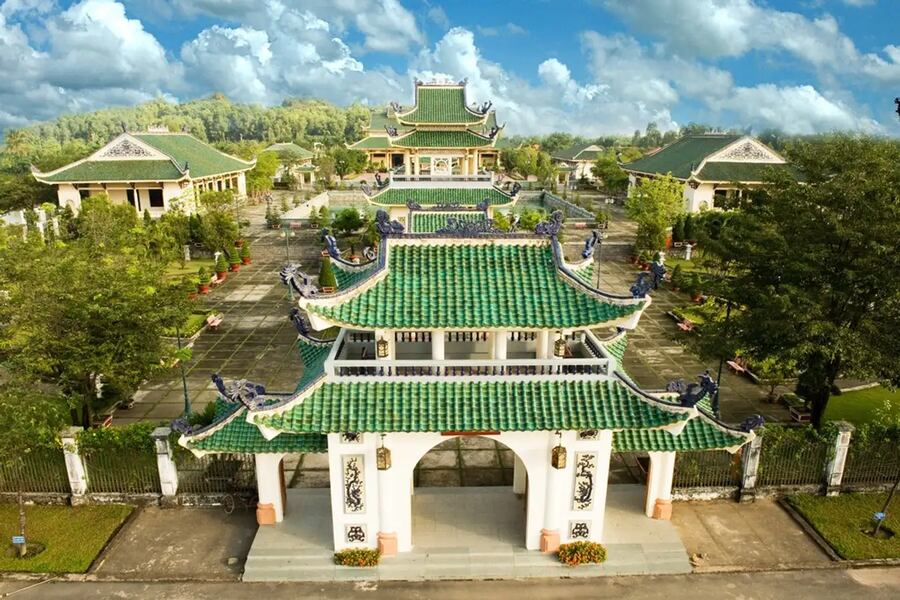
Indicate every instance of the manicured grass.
{"type": "Point", "coordinates": [194, 323]}
{"type": "Point", "coordinates": [73, 536]}
{"type": "Point", "coordinates": [190, 268]}
{"type": "Point", "coordinates": [842, 519]}
{"type": "Point", "coordinates": [862, 406]}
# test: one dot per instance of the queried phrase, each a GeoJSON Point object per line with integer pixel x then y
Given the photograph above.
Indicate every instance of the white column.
{"type": "Point", "coordinates": [416, 166]}
{"type": "Point", "coordinates": [387, 525]}
{"type": "Point", "coordinates": [438, 346]}
{"type": "Point", "coordinates": [406, 164]}
{"type": "Point", "coordinates": [78, 479]}
{"type": "Point", "coordinates": [659, 485]}
{"type": "Point", "coordinates": [604, 453]}
{"type": "Point", "coordinates": [834, 469]}
{"type": "Point", "coordinates": [553, 505]}
{"type": "Point", "coordinates": [168, 473]}
{"type": "Point", "coordinates": [542, 343]}
{"type": "Point", "coordinates": [519, 475]}
{"type": "Point", "coordinates": [270, 508]}
{"type": "Point", "coordinates": [749, 469]}
{"type": "Point", "coordinates": [498, 348]}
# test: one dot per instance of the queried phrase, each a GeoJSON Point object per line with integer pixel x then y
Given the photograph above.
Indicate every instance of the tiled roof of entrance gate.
{"type": "Point", "coordinates": [516, 405]}
{"type": "Point", "coordinates": [468, 286]}
{"type": "Point", "coordinates": [440, 105]}
{"type": "Point", "coordinates": [234, 434]}
{"type": "Point", "coordinates": [393, 196]}
{"type": "Point", "coordinates": [698, 434]}
{"type": "Point", "coordinates": [431, 221]}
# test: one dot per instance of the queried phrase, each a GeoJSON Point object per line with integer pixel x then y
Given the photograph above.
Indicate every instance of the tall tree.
{"type": "Point", "coordinates": [654, 204]}
{"type": "Point", "coordinates": [347, 161]}
{"type": "Point", "coordinates": [811, 268]}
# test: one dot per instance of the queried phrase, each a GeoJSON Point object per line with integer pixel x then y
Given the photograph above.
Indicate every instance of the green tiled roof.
{"type": "Point", "coordinates": [471, 286]}
{"type": "Point", "coordinates": [737, 171]}
{"type": "Point", "coordinates": [586, 273]}
{"type": "Point", "coordinates": [117, 170]}
{"type": "Point", "coordinates": [617, 346]}
{"type": "Point", "coordinates": [440, 105]}
{"type": "Point", "coordinates": [291, 149]}
{"type": "Point", "coordinates": [442, 139]}
{"type": "Point", "coordinates": [682, 155]}
{"type": "Point", "coordinates": [203, 159]}
{"type": "Point", "coordinates": [239, 436]}
{"type": "Point", "coordinates": [429, 222]}
{"type": "Point", "coordinates": [345, 277]}
{"type": "Point", "coordinates": [313, 357]}
{"type": "Point", "coordinates": [392, 196]}
{"type": "Point", "coordinates": [411, 406]}
{"type": "Point", "coordinates": [698, 434]}
{"type": "Point", "coordinates": [372, 142]}
{"type": "Point", "coordinates": [578, 152]}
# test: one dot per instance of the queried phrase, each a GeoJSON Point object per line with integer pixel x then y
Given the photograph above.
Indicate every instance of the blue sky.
{"type": "Point", "coordinates": [586, 66]}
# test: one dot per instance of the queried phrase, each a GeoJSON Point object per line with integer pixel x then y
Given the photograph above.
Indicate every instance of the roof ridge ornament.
{"type": "Point", "coordinates": [688, 394]}
{"type": "Point", "coordinates": [641, 286]}
{"type": "Point", "coordinates": [251, 395]}
{"type": "Point", "coordinates": [551, 226]}
{"type": "Point", "coordinates": [300, 282]}
{"type": "Point", "coordinates": [385, 226]}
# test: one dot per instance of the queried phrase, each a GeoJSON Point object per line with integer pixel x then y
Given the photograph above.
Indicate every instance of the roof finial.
{"type": "Point", "coordinates": [124, 127]}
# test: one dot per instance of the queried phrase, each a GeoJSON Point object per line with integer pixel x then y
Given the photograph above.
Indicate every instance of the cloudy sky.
{"type": "Point", "coordinates": [586, 66]}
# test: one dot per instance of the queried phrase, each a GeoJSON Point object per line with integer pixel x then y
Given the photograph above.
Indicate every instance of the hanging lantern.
{"type": "Point", "coordinates": [381, 348]}
{"type": "Point", "coordinates": [558, 454]}
{"type": "Point", "coordinates": [383, 456]}
{"type": "Point", "coordinates": [559, 348]}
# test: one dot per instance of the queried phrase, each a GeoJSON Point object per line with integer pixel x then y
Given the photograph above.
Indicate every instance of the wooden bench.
{"type": "Point", "coordinates": [797, 407]}
{"type": "Point", "coordinates": [736, 366]}
{"type": "Point", "coordinates": [213, 322]}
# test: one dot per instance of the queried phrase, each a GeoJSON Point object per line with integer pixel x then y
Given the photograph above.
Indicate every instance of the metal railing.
{"type": "Point", "coordinates": [707, 468]}
{"type": "Point", "coordinates": [790, 461]}
{"type": "Point", "coordinates": [466, 367]}
{"type": "Point", "coordinates": [480, 178]}
{"type": "Point", "coordinates": [38, 471]}
{"type": "Point", "coordinates": [215, 474]}
{"type": "Point", "coordinates": [121, 471]}
{"type": "Point", "coordinates": [871, 462]}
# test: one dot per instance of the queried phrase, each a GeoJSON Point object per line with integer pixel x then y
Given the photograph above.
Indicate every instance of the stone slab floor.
{"type": "Point", "coordinates": [462, 533]}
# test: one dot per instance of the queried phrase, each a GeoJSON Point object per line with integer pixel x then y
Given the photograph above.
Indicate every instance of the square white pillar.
{"type": "Point", "coordinates": [499, 344]}
{"type": "Point", "coordinates": [542, 344]}
{"type": "Point", "coordinates": [78, 479]}
{"type": "Point", "coordinates": [269, 478]}
{"type": "Point", "coordinates": [659, 485]}
{"type": "Point", "coordinates": [168, 474]}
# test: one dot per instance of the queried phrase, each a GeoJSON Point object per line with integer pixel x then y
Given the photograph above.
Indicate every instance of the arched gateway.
{"type": "Point", "coordinates": [462, 330]}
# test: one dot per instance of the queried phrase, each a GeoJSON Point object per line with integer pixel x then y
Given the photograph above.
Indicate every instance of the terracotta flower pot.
{"type": "Point", "coordinates": [203, 288]}
{"type": "Point", "coordinates": [245, 261]}
{"type": "Point", "coordinates": [238, 243]}
{"type": "Point", "coordinates": [234, 267]}
{"type": "Point", "coordinates": [221, 275]}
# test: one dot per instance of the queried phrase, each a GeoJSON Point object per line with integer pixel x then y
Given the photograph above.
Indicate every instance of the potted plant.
{"type": "Point", "coordinates": [234, 260]}
{"type": "Point", "coordinates": [327, 280]}
{"type": "Point", "coordinates": [202, 280]}
{"type": "Point", "coordinates": [245, 254]}
{"type": "Point", "coordinates": [221, 267]}
{"type": "Point", "coordinates": [238, 243]}
{"type": "Point", "coordinates": [676, 278]}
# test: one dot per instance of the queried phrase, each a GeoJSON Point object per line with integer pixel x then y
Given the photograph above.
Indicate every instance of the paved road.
{"type": "Point", "coordinates": [872, 584]}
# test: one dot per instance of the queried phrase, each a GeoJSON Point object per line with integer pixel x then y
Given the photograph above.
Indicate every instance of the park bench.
{"type": "Point", "coordinates": [213, 322]}
{"type": "Point", "coordinates": [736, 366]}
{"type": "Point", "coordinates": [797, 407]}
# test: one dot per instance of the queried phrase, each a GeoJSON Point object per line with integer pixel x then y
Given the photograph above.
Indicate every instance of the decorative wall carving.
{"type": "Point", "coordinates": [746, 151]}
{"type": "Point", "coordinates": [585, 473]}
{"type": "Point", "coordinates": [579, 530]}
{"type": "Point", "coordinates": [354, 485]}
{"type": "Point", "coordinates": [589, 434]}
{"type": "Point", "coordinates": [355, 534]}
{"type": "Point", "coordinates": [351, 437]}
{"type": "Point", "coordinates": [126, 149]}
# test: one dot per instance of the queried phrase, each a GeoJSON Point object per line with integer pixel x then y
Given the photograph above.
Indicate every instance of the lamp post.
{"type": "Point", "coordinates": [287, 245]}
{"type": "Point", "coordinates": [715, 400]}
{"type": "Point", "coordinates": [187, 399]}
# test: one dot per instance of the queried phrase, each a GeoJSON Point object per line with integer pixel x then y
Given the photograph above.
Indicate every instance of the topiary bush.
{"type": "Point", "coordinates": [326, 274]}
{"type": "Point", "coordinates": [357, 557]}
{"type": "Point", "coordinates": [577, 553]}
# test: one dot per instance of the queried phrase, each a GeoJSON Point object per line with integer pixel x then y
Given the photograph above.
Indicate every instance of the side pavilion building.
{"type": "Point", "coordinates": [439, 135]}
{"type": "Point", "coordinates": [152, 171]}
{"type": "Point", "coordinates": [713, 167]}
{"type": "Point", "coordinates": [463, 332]}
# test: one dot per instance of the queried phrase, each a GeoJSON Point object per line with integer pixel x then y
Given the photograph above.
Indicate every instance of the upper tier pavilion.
{"type": "Point", "coordinates": [463, 331]}
{"type": "Point", "coordinates": [441, 134]}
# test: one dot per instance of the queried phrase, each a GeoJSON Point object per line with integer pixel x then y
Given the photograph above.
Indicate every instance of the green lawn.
{"type": "Point", "coordinates": [862, 406]}
{"type": "Point", "coordinates": [194, 323]}
{"type": "Point", "coordinates": [190, 268]}
{"type": "Point", "coordinates": [73, 536]}
{"type": "Point", "coordinates": [842, 519]}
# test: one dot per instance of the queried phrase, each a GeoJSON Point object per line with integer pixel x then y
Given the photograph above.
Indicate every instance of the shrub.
{"type": "Point", "coordinates": [326, 274]}
{"type": "Point", "coordinates": [357, 557]}
{"type": "Point", "coordinates": [202, 275]}
{"type": "Point", "coordinates": [221, 263]}
{"type": "Point", "coordinates": [245, 250]}
{"type": "Point", "coordinates": [678, 229]}
{"type": "Point", "coordinates": [233, 257]}
{"type": "Point", "coordinates": [576, 553]}
{"type": "Point", "coordinates": [677, 277]}
{"type": "Point", "coordinates": [204, 417]}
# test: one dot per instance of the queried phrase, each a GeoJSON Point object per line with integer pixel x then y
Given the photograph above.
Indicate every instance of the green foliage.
{"type": "Point", "coordinates": [233, 257]}
{"type": "Point", "coordinates": [529, 218]}
{"type": "Point", "coordinates": [607, 169]}
{"type": "Point", "coordinates": [30, 420]}
{"type": "Point", "coordinates": [578, 553]}
{"type": "Point", "coordinates": [259, 178]}
{"type": "Point", "coordinates": [688, 225]}
{"type": "Point", "coordinates": [501, 221]}
{"type": "Point", "coordinates": [654, 205]}
{"type": "Point", "coordinates": [678, 228]}
{"type": "Point", "coordinates": [326, 274]}
{"type": "Point", "coordinates": [844, 520]}
{"type": "Point", "coordinates": [326, 165]}
{"type": "Point", "coordinates": [807, 261]}
{"type": "Point", "coordinates": [204, 417]}
{"type": "Point", "coordinates": [324, 216]}
{"type": "Point", "coordinates": [529, 161]}
{"type": "Point", "coordinates": [106, 226]}
{"type": "Point", "coordinates": [135, 436]}
{"type": "Point", "coordinates": [221, 263]}
{"type": "Point", "coordinates": [347, 161]}
{"type": "Point", "coordinates": [347, 221]}
{"type": "Point", "coordinates": [877, 405]}
{"type": "Point", "coordinates": [357, 557]}
{"type": "Point", "coordinates": [245, 251]}
{"type": "Point", "coordinates": [218, 229]}
{"type": "Point", "coordinates": [202, 275]}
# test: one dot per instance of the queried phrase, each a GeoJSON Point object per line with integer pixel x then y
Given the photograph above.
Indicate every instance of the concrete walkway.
{"type": "Point", "coordinates": [462, 533]}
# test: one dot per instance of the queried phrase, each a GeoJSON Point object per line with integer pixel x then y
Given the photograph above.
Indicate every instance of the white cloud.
{"type": "Point", "coordinates": [727, 28]}
{"type": "Point", "coordinates": [858, 3]}
{"type": "Point", "coordinates": [438, 16]}
{"type": "Point", "coordinates": [505, 29]}
{"type": "Point", "coordinates": [10, 8]}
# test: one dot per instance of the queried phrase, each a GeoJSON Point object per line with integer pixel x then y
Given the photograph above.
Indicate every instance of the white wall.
{"type": "Point", "coordinates": [68, 196]}
{"type": "Point", "coordinates": [700, 198]}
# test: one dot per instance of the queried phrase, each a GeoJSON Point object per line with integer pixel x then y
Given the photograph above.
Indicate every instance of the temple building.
{"type": "Point", "coordinates": [453, 330]}
{"type": "Point", "coordinates": [296, 160]}
{"type": "Point", "coordinates": [714, 167]}
{"type": "Point", "coordinates": [152, 171]}
{"type": "Point", "coordinates": [575, 163]}
{"type": "Point", "coordinates": [440, 135]}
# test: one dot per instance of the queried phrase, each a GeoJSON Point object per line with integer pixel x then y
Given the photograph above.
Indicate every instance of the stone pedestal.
{"type": "Point", "coordinates": [387, 543]}
{"type": "Point", "coordinates": [265, 513]}
{"type": "Point", "coordinates": [663, 510]}
{"type": "Point", "coordinates": [549, 540]}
